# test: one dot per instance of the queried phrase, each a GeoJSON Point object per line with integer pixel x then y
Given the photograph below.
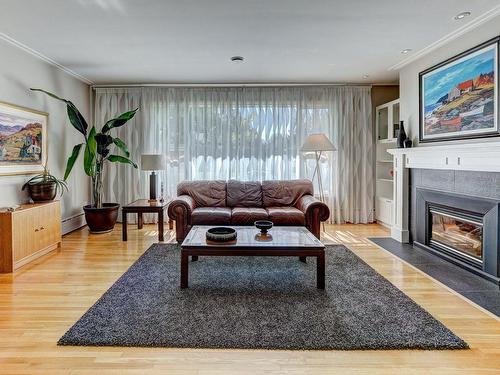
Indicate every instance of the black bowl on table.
{"type": "Point", "coordinates": [263, 225]}
{"type": "Point", "coordinates": [221, 234]}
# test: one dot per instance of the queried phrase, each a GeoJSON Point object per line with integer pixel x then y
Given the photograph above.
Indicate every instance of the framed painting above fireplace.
{"type": "Point", "coordinates": [459, 97]}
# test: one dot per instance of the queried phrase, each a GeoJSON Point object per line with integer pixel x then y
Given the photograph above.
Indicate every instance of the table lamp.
{"type": "Point", "coordinates": [153, 163]}
{"type": "Point", "coordinates": [318, 143]}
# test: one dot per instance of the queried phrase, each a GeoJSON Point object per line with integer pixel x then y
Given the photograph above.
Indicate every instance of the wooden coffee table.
{"type": "Point", "coordinates": [282, 241]}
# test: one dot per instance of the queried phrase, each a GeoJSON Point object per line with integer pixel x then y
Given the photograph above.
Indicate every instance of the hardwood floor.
{"type": "Point", "coordinates": [40, 301]}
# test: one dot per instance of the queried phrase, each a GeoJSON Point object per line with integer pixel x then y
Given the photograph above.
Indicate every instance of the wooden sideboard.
{"type": "Point", "coordinates": [28, 233]}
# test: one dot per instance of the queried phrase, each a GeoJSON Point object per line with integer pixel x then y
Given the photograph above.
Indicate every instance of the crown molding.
{"type": "Point", "coordinates": [476, 22]}
{"type": "Point", "coordinates": [42, 57]}
{"type": "Point", "coordinates": [237, 85]}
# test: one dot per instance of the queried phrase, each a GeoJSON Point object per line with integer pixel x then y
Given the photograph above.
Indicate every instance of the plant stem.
{"type": "Point", "coordinates": [97, 183]}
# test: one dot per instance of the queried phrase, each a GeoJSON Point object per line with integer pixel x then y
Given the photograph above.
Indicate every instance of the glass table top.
{"type": "Point", "coordinates": [251, 236]}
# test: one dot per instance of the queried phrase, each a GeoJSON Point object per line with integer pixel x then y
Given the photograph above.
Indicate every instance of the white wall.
{"type": "Point", "coordinates": [408, 76]}
{"type": "Point", "coordinates": [19, 71]}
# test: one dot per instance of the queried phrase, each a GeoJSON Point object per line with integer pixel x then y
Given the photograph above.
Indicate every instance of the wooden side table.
{"type": "Point", "coordinates": [140, 207]}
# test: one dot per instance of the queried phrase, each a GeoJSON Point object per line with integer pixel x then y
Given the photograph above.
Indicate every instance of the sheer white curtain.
{"type": "Point", "coordinates": [246, 133]}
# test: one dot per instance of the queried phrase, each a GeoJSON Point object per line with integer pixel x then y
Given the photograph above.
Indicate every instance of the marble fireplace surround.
{"type": "Point", "coordinates": [482, 156]}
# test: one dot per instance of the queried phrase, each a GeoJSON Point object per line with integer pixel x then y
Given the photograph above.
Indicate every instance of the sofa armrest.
{"type": "Point", "coordinates": [181, 205]}
{"type": "Point", "coordinates": [180, 210]}
{"type": "Point", "coordinates": [315, 212]}
{"type": "Point", "coordinates": [307, 204]}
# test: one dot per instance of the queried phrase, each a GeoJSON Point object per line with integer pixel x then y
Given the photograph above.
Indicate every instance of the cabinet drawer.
{"type": "Point", "coordinates": [383, 210]}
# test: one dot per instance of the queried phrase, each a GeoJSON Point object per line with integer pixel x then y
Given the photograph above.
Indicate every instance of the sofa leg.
{"type": "Point", "coordinates": [303, 259]}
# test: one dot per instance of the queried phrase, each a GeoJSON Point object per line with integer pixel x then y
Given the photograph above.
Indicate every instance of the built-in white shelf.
{"type": "Point", "coordinates": [389, 140]}
{"type": "Point", "coordinates": [387, 124]}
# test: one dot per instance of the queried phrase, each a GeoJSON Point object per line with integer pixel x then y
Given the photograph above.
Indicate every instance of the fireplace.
{"type": "Point", "coordinates": [464, 230]}
{"type": "Point", "coordinates": [457, 234]}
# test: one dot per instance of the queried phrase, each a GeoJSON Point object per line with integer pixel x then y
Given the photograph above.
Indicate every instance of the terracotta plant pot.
{"type": "Point", "coordinates": [42, 191]}
{"type": "Point", "coordinates": [101, 220]}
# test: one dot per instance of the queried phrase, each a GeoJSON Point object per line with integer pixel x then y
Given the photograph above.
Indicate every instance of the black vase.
{"type": "Point", "coordinates": [401, 135]}
{"type": "Point", "coordinates": [408, 143]}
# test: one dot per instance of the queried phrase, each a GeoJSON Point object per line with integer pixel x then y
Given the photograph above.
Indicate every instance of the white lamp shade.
{"type": "Point", "coordinates": [317, 142]}
{"type": "Point", "coordinates": [153, 162]}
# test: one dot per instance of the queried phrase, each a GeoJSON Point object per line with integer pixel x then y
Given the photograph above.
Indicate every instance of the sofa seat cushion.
{"type": "Point", "coordinates": [248, 215]}
{"type": "Point", "coordinates": [286, 216]}
{"type": "Point", "coordinates": [211, 215]}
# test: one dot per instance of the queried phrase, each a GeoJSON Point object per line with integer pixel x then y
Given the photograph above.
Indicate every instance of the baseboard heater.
{"type": "Point", "coordinates": [73, 223]}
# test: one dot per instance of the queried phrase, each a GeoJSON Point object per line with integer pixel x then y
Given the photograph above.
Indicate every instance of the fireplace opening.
{"type": "Point", "coordinates": [461, 229]}
{"type": "Point", "coordinates": [460, 235]}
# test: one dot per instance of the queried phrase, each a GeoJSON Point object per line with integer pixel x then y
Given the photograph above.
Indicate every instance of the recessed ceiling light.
{"type": "Point", "coordinates": [462, 15]}
{"type": "Point", "coordinates": [365, 76]}
{"type": "Point", "coordinates": [405, 51]}
{"type": "Point", "coordinates": [237, 59]}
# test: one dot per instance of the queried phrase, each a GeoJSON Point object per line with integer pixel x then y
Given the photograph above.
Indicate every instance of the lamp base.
{"type": "Point", "coordinates": [152, 187]}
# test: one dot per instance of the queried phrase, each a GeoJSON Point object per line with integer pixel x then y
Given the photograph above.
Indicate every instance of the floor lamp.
{"type": "Point", "coordinates": [318, 143]}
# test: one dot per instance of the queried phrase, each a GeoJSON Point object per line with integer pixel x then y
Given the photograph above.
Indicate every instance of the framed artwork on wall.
{"type": "Point", "coordinates": [459, 97]}
{"type": "Point", "coordinates": [23, 140]}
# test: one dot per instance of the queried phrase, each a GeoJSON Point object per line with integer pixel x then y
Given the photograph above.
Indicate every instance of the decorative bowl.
{"type": "Point", "coordinates": [263, 225]}
{"type": "Point", "coordinates": [221, 234]}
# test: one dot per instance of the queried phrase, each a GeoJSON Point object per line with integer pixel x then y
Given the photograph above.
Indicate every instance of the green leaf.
{"type": "Point", "coordinates": [90, 155]}
{"type": "Point", "coordinates": [51, 95]}
{"type": "Point", "coordinates": [74, 115]}
{"type": "Point", "coordinates": [118, 121]}
{"type": "Point", "coordinates": [122, 146]}
{"type": "Point", "coordinates": [121, 159]}
{"type": "Point", "coordinates": [72, 160]}
{"type": "Point", "coordinates": [76, 118]}
{"type": "Point", "coordinates": [103, 140]}
{"type": "Point", "coordinates": [103, 143]}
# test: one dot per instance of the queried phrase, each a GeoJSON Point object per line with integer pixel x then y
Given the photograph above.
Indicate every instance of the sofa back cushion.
{"type": "Point", "coordinates": [204, 193]}
{"type": "Point", "coordinates": [285, 193]}
{"type": "Point", "coordinates": [244, 194]}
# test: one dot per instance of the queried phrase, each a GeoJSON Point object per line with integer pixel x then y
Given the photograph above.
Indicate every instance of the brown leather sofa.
{"type": "Point", "coordinates": [242, 203]}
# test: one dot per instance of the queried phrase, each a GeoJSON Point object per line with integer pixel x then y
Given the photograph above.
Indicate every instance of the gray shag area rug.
{"type": "Point", "coordinates": [259, 303]}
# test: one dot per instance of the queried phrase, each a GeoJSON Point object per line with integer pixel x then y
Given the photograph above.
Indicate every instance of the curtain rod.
{"type": "Point", "coordinates": [236, 85]}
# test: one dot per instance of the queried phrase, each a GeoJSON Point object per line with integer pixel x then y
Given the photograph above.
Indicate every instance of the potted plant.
{"type": "Point", "coordinates": [44, 186]}
{"type": "Point", "coordinates": [101, 217]}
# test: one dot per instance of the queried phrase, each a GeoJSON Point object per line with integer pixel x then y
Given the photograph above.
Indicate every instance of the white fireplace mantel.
{"type": "Point", "coordinates": [484, 157]}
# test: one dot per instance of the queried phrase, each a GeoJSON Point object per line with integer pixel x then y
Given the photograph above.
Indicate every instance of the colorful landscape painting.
{"type": "Point", "coordinates": [22, 139]}
{"type": "Point", "coordinates": [459, 99]}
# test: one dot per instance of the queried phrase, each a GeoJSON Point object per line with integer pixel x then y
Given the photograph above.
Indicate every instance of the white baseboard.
{"type": "Point", "coordinates": [400, 235]}
{"type": "Point", "coordinates": [73, 223]}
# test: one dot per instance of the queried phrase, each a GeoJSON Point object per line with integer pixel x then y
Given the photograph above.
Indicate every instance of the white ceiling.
{"type": "Point", "coordinates": [191, 41]}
